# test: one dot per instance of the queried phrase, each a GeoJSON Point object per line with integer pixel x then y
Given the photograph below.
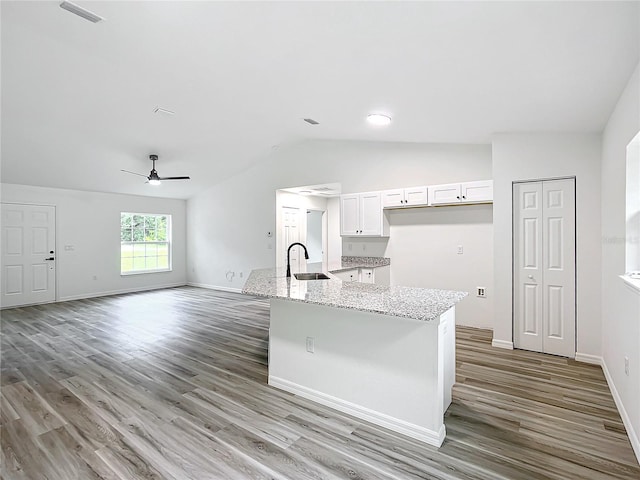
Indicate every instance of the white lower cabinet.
{"type": "Point", "coordinates": [377, 275]}
{"type": "Point", "coordinates": [349, 275]}
{"type": "Point", "coordinates": [367, 275]}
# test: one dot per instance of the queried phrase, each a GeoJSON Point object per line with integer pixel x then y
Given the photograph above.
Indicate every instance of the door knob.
{"type": "Point", "coordinates": [530, 276]}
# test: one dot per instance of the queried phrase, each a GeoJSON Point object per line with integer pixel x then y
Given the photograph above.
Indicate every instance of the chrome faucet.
{"type": "Point", "coordinates": [306, 256]}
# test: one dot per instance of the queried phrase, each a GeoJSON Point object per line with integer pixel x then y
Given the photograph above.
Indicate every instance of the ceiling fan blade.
{"type": "Point", "coordinates": [174, 178]}
{"type": "Point", "coordinates": [134, 173]}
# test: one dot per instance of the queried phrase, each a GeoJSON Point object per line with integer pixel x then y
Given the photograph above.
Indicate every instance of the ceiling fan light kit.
{"type": "Point", "coordinates": [153, 178]}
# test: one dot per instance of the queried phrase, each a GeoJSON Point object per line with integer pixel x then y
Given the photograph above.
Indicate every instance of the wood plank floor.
{"type": "Point", "coordinates": [171, 384]}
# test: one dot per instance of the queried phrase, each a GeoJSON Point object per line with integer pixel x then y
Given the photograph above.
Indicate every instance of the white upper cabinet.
{"type": "Point", "coordinates": [350, 214]}
{"type": "Point", "coordinates": [361, 215]}
{"type": "Point", "coordinates": [405, 197]}
{"type": "Point", "coordinates": [481, 191]}
{"type": "Point", "coordinates": [457, 193]}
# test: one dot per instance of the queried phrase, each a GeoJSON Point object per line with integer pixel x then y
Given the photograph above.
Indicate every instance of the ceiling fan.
{"type": "Point", "coordinates": [153, 178]}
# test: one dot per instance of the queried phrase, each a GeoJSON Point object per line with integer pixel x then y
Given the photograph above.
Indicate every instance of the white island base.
{"type": "Point", "coordinates": [391, 371]}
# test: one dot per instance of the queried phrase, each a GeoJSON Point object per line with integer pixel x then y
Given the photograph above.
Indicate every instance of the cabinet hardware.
{"type": "Point", "coordinates": [51, 258]}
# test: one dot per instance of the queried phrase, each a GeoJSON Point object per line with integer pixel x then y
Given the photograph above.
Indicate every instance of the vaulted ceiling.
{"type": "Point", "coordinates": [78, 98]}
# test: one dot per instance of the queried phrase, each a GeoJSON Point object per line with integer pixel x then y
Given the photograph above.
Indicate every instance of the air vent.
{"type": "Point", "coordinates": [81, 12]}
{"type": "Point", "coordinates": [311, 121]}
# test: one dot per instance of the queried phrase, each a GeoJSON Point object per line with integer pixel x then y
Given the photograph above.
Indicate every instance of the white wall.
{"type": "Point", "coordinates": [538, 156]}
{"type": "Point", "coordinates": [314, 235]}
{"type": "Point", "coordinates": [90, 222]}
{"type": "Point", "coordinates": [227, 224]}
{"type": "Point", "coordinates": [620, 304]}
{"type": "Point", "coordinates": [423, 250]}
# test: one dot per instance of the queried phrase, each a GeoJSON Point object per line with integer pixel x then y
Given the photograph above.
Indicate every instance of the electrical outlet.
{"type": "Point", "coordinates": [241, 274]}
{"type": "Point", "coordinates": [95, 277]}
{"type": "Point", "coordinates": [481, 292]}
{"type": "Point", "coordinates": [311, 344]}
{"type": "Point", "coordinates": [364, 247]}
{"type": "Point", "coordinates": [350, 246]}
{"type": "Point", "coordinates": [460, 250]}
{"type": "Point", "coordinates": [626, 366]}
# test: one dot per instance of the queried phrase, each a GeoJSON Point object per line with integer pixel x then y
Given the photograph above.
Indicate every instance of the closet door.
{"type": "Point", "coordinates": [544, 266]}
{"type": "Point", "coordinates": [527, 259]}
{"type": "Point", "coordinates": [559, 266]}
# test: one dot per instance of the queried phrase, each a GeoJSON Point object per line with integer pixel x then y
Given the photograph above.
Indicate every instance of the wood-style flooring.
{"type": "Point", "coordinates": [171, 384]}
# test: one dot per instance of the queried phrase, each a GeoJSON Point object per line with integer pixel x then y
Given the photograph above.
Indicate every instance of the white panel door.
{"type": "Point", "coordinates": [544, 266]}
{"type": "Point", "coordinates": [28, 254]}
{"type": "Point", "coordinates": [527, 253]}
{"type": "Point", "coordinates": [291, 234]}
{"type": "Point", "coordinates": [558, 260]}
{"type": "Point", "coordinates": [350, 214]}
{"type": "Point", "coordinates": [371, 213]}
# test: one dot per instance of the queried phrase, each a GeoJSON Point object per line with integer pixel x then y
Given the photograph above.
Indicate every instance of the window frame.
{"type": "Point", "coordinates": [168, 242]}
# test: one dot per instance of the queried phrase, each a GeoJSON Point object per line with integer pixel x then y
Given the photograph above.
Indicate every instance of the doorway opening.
{"type": "Point", "coordinates": [310, 215]}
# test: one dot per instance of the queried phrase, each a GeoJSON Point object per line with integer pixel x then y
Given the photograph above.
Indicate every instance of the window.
{"type": "Point", "coordinates": [632, 250]}
{"type": "Point", "coordinates": [145, 243]}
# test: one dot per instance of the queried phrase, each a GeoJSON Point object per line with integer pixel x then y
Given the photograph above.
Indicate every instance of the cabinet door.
{"type": "Point", "coordinates": [415, 196]}
{"type": "Point", "coordinates": [348, 275]}
{"type": "Point", "coordinates": [393, 198]}
{"type": "Point", "coordinates": [349, 214]}
{"type": "Point", "coordinates": [367, 275]}
{"type": "Point", "coordinates": [477, 191]}
{"type": "Point", "coordinates": [371, 214]}
{"type": "Point", "coordinates": [444, 194]}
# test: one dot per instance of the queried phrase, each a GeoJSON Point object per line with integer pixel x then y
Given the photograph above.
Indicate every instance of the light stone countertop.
{"type": "Point", "coordinates": [350, 263]}
{"type": "Point", "coordinates": [423, 304]}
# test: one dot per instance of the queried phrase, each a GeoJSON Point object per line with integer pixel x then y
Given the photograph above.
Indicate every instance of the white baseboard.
{"type": "Point", "coordinates": [631, 433]}
{"type": "Point", "coordinates": [215, 287]}
{"type": "Point", "coordinates": [422, 434]}
{"type": "Point", "coordinates": [588, 358]}
{"type": "Point", "coordinates": [502, 344]}
{"type": "Point", "coordinates": [119, 292]}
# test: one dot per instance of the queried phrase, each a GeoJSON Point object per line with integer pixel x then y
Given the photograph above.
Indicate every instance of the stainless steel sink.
{"type": "Point", "coordinates": [311, 276]}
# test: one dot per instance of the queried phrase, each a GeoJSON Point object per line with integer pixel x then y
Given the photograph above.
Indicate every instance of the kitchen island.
{"type": "Point", "coordinates": [383, 354]}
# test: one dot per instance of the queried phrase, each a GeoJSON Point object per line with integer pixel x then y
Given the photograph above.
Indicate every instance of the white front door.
{"type": "Point", "coordinates": [544, 266]}
{"type": "Point", "coordinates": [28, 254]}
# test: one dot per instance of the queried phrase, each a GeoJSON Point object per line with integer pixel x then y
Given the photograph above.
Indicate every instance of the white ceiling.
{"type": "Point", "coordinates": [78, 98]}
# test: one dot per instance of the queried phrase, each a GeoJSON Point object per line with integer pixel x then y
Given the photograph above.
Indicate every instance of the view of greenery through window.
{"type": "Point", "coordinates": [144, 242]}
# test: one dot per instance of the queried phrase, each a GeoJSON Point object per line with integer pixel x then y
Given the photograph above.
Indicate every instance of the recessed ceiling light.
{"type": "Point", "coordinates": [81, 12]}
{"type": "Point", "coordinates": [378, 119]}
{"type": "Point", "coordinates": [163, 110]}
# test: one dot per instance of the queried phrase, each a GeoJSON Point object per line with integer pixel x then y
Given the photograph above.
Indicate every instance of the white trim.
{"type": "Point", "coordinates": [120, 291]}
{"type": "Point", "coordinates": [417, 432]}
{"type": "Point", "coordinates": [215, 287]}
{"type": "Point", "coordinates": [588, 358]}
{"type": "Point", "coordinates": [634, 283]}
{"type": "Point", "coordinates": [502, 344]}
{"type": "Point", "coordinates": [631, 433]}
